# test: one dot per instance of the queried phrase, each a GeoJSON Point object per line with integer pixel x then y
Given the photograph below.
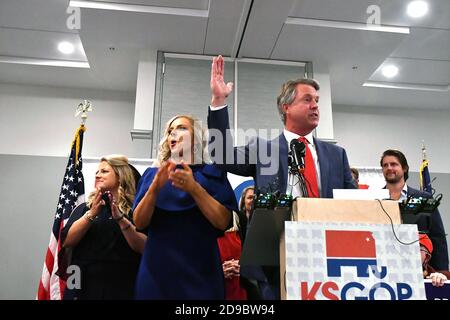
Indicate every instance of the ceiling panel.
{"type": "Point", "coordinates": [185, 4]}
{"type": "Point", "coordinates": [395, 98]}
{"type": "Point", "coordinates": [111, 71]}
{"type": "Point", "coordinates": [141, 30]}
{"type": "Point", "coordinates": [320, 45]}
{"type": "Point", "coordinates": [392, 12]}
{"type": "Point", "coordinates": [225, 26]}
{"type": "Point", "coordinates": [49, 15]}
{"type": "Point", "coordinates": [433, 44]}
{"type": "Point", "coordinates": [47, 76]}
{"type": "Point", "coordinates": [39, 44]}
{"type": "Point", "coordinates": [264, 25]}
{"type": "Point", "coordinates": [416, 71]}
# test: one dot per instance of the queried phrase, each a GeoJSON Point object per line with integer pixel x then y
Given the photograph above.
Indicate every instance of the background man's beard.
{"type": "Point", "coordinates": [393, 180]}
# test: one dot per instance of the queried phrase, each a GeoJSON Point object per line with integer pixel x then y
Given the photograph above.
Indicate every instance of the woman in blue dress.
{"type": "Point", "coordinates": [186, 204]}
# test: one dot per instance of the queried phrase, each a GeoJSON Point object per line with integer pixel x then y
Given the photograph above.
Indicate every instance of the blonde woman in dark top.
{"type": "Point", "coordinates": [105, 244]}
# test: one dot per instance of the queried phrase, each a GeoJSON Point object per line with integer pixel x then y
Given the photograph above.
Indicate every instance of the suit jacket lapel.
{"type": "Point", "coordinates": [411, 191]}
{"type": "Point", "coordinates": [324, 167]}
{"type": "Point", "coordinates": [283, 156]}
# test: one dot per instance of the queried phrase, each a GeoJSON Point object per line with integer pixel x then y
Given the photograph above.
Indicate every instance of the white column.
{"type": "Point", "coordinates": [145, 95]}
{"type": "Point", "coordinates": [325, 130]}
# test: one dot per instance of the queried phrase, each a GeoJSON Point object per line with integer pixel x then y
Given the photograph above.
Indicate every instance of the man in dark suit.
{"type": "Point", "coordinates": [395, 171]}
{"type": "Point", "coordinates": [267, 160]}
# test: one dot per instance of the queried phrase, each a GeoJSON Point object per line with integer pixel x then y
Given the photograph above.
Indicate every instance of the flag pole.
{"type": "Point", "coordinates": [424, 173]}
{"type": "Point", "coordinates": [424, 151]}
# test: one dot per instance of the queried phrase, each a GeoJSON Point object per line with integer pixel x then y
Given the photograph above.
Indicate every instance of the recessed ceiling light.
{"type": "Point", "coordinates": [66, 47]}
{"type": "Point", "coordinates": [417, 8]}
{"type": "Point", "coordinates": [389, 71]}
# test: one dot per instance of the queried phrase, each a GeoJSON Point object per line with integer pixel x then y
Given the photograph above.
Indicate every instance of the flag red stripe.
{"type": "Point", "coordinates": [42, 293]}
{"type": "Point", "coordinates": [49, 260]}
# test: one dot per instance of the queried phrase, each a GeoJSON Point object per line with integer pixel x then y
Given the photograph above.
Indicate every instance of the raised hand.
{"type": "Point", "coordinates": [219, 90]}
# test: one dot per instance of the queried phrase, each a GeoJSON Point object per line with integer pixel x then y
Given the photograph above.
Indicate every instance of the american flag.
{"type": "Point", "coordinates": [51, 286]}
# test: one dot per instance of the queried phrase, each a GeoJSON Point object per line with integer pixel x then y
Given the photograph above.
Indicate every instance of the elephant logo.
{"type": "Point", "coordinates": [356, 249]}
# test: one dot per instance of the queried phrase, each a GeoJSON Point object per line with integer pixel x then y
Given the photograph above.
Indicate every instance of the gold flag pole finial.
{"type": "Point", "coordinates": [83, 108]}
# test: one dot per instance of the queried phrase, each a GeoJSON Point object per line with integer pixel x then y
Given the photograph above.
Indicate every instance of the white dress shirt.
{"type": "Point", "coordinates": [293, 183]}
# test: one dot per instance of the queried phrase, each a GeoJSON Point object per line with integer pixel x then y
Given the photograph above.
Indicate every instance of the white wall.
{"type": "Point", "coordinates": [39, 120]}
{"type": "Point", "coordinates": [367, 132]}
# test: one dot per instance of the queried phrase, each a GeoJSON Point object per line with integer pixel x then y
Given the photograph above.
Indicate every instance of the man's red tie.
{"type": "Point", "coordinates": [310, 172]}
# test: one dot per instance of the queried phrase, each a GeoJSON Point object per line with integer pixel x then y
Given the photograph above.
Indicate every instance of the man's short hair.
{"type": "Point", "coordinates": [400, 157]}
{"type": "Point", "coordinates": [288, 93]}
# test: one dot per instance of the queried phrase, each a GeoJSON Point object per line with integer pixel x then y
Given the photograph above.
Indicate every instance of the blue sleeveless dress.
{"type": "Point", "coordinates": [181, 259]}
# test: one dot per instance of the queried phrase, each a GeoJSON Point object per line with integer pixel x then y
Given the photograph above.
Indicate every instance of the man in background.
{"type": "Point", "coordinates": [396, 171]}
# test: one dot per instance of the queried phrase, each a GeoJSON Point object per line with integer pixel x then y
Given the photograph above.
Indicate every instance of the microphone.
{"type": "Point", "coordinates": [298, 151]}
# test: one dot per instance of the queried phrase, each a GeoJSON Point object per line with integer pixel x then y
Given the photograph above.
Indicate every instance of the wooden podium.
{"type": "Point", "coordinates": [331, 210]}
{"type": "Point", "coordinates": [363, 211]}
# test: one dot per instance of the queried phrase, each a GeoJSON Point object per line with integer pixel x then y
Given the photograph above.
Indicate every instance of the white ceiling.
{"type": "Point", "coordinates": [332, 34]}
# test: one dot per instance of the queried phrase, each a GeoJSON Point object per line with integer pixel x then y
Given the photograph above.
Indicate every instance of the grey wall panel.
{"type": "Point", "coordinates": [258, 87]}
{"type": "Point", "coordinates": [29, 190]}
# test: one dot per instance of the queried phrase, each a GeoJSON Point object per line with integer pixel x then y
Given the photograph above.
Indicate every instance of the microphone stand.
{"type": "Point", "coordinates": [303, 188]}
{"type": "Point", "coordinates": [301, 178]}
{"type": "Point", "coordinates": [296, 164]}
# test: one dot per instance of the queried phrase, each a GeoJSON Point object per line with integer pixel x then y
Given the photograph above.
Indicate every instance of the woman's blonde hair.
{"type": "Point", "coordinates": [200, 150]}
{"type": "Point", "coordinates": [127, 182]}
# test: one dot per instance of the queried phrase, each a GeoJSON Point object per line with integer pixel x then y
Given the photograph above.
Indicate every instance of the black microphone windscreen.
{"type": "Point", "coordinates": [299, 146]}
{"type": "Point", "coordinates": [298, 150]}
